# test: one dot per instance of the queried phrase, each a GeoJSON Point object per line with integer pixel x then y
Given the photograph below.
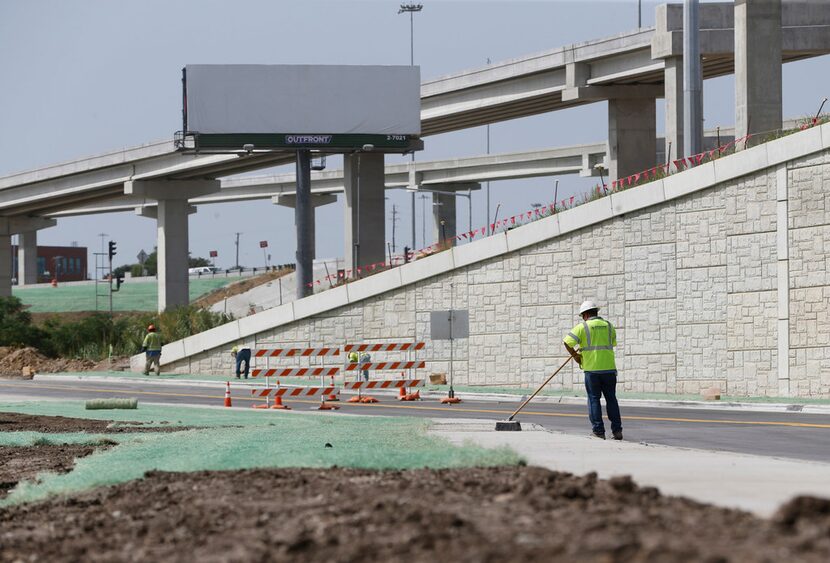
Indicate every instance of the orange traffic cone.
{"type": "Point", "coordinates": [228, 394]}
{"type": "Point", "coordinates": [401, 394]}
{"type": "Point", "coordinates": [278, 404]}
{"type": "Point", "coordinates": [368, 399]}
{"type": "Point", "coordinates": [324, 406]}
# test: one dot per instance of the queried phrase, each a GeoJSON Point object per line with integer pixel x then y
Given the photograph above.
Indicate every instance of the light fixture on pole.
{"type": "Point", "coordinates": [599, 168]}
{"type": "Point", "coordinates": [496, 216]}
{"type": "Point", "coordinates": [410, 8]}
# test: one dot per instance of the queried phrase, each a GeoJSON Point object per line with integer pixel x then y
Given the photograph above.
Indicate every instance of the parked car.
{"type": "Point", "coordinates": [201, 270]}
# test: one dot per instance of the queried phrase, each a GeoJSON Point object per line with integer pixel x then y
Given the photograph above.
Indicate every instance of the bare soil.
{"type": "Point", "coordinates": [14, 360]}
{"type": "Point", "coordinates": [23, 463]}
{"type": "Point", "coordinates": [238, 287]}
{"type": "Point", "coordinates": [19, 422]}
{"type": "Point", "coordinates": [494, 515]}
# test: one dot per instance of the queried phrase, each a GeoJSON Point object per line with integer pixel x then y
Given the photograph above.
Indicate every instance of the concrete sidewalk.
{"type": "Point", "coordinates": [754, 483]}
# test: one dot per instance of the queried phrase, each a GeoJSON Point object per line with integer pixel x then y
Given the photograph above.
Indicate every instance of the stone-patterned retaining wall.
{"type": "Point", "coordinates": [727, 286]}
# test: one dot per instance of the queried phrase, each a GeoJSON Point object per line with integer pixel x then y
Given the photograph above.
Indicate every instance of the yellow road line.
{"type": "Point", "coordinates": [408, 406]}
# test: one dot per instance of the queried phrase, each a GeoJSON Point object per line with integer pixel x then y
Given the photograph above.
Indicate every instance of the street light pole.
{"type": "Point", "coordinates": [411, 8]}
{"type": "Point", "coordinates": [487, 189]}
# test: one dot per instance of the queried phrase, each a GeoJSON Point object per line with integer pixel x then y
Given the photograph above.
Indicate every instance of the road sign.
{"type": "Point", "coordinates": [449, 325]}
{"type": "Point", "coordinates": [213, 254]}
{"type": "Point", "coordinates": [142, 257]}
{"type": "Point", "coordinates": [263, 244]}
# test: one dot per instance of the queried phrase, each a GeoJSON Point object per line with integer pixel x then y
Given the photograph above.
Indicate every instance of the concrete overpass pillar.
{"type": "Point", "coordinates": [632, 136]}
{"type": "Point", "coordinates": [27, 249]}
{"type": "Point", "coordinates": [673, 76]}
{"type": "Point", "coordinates": [445, 205]}
{"type": "Point", "coordinates": [757, 67]}
{"type": "Point", "coordinates": [364, 210]}
{"type": "Point", "coordinates": [317, 200]}
{"type": "Point", "coordinates": [25, 226]}
{"type": "Point", "coordinates": [443, 210]}
{"type": "Point", "coordinates": [27, 258]}
{"type": "Point", "coordinates": [172, 232]}
{"type": "Point", "coordinates": [5, 264]}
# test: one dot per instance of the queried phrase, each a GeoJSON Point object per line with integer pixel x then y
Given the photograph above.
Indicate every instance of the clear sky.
{"type": "Point", "coordinates": [83, 77]}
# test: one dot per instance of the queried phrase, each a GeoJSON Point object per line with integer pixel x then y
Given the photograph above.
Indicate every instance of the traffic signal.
{"type": "Point", "coordinates": [118, 281]}
{"type": "Point", "coordinates": [406, 253]}
{"type": "Point", "coordinates": [112, 248]}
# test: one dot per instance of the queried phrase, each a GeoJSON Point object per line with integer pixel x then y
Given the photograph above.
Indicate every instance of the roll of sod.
{"type": "Point", "coordinates": [100, 404]}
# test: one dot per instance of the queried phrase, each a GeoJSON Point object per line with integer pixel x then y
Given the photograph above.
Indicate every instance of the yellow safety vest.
{"type": "Point", "coordinates": [596, 339]}
{"type": "Point", "coordinates": [152, 341]}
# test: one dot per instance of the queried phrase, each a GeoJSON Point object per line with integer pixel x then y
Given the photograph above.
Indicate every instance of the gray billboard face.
{"type": "Point", "coordinates": [301, 101]}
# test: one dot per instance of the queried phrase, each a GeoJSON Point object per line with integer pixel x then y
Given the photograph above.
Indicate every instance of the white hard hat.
{"type": "Point", "coordinates": [587, 306]}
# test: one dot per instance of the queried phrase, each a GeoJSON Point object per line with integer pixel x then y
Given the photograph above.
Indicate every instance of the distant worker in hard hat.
{"type": "Point", "coordinates": [354, 358]}
{"type": "Point", "coordinates": [365, 358]}
{"type": "Point", "coordinates": [595, 337]}
{"type": "Point", "coordinates": [152, 350]}
{"type": "Point", "coordinates": [242, 355]}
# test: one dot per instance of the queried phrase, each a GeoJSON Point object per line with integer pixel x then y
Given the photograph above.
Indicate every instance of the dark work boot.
{"type": "Point", "coordinates": [600, 435]}
{"type": "Point", "coordinates": [617, 435]}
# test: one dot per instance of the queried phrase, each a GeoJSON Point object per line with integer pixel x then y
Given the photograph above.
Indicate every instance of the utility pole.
{"type": "Point", "coordinates": [237, 250]}
{"type": "Point", "coordinates": [394, 221]}
{"type": "Point", "coordinates": [487, 189]}
{"type": "Point", "coordinates": [424, 197]}
{"type": "Point", "coordinates": [410, 8]}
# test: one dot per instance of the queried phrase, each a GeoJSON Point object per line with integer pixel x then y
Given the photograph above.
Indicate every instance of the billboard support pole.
{"type": "Point", "coordinates": [303, 222]}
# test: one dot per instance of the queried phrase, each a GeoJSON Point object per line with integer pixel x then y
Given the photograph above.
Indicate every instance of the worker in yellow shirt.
{"type": "Point", "coordinates": [152, 350]}
{"type": "Point", "coordinates": [595, 337]}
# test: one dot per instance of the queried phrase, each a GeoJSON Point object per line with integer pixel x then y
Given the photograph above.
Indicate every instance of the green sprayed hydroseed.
{"type": "Point", "coordinates": [241, 439]}
{"type": "Point", "coordinates": [134, 295]}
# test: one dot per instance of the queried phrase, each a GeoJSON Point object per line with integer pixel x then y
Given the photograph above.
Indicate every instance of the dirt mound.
{"type": "Point", "coordinates": [492, 515]}
{"type": "Point", "coordinates": [239, 287]}
{"type": "Point", "coordinates": [13, 360]}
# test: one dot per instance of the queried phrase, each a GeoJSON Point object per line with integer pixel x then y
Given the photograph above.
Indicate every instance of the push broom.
{"type": "Point", "coordinates": [514, 425]}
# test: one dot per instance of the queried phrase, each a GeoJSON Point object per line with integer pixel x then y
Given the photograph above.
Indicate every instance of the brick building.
{"type": "Point", "coordinates": [69, 262]}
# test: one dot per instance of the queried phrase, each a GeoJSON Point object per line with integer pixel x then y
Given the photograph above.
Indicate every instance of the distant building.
{"type": "Point", "coordinates": [67, 263]}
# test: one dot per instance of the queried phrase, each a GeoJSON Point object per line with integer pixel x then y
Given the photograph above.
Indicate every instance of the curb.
{"type": "Point", "coordinates": [797, 408]}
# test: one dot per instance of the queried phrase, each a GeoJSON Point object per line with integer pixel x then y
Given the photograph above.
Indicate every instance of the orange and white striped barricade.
{"type": "Point", "coordinates": [380, 366]}
{"type": "Point", "coordinates": [410, 348]}
{"type": "Point", "coordinates": [279, 392]}
{"type": "Point", "coordinates": [312, 352]}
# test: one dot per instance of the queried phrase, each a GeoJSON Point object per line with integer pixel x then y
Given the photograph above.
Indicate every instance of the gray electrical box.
{"type": "Point", "coordinates": [440, 323]}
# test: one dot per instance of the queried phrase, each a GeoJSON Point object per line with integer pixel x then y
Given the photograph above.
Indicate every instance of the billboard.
{"type": "Point", "coordinates": [302, 105]}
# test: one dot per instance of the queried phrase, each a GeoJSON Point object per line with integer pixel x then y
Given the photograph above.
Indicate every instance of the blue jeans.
{"type": "Point", "coordinates": [597, 385]}
{"type": "Point", "coordinates": [243, 356]}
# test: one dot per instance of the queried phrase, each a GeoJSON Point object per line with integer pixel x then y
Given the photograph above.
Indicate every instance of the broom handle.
{"type": "Point", "coordinates": [540, 388]}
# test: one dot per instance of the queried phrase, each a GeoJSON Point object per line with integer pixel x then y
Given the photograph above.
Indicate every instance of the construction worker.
{"type": "Point", "coordinates": [596, 339]}
{"type": "Point", "coordinates": [365, 358]}
{"type": "Point", "coordinates": [152, 350]}
{"type": "Point", "coordinates": [354, 358]}
{"type": "Point", "coordinates": [241, 354]}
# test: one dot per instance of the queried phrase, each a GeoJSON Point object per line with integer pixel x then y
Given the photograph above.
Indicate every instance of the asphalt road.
{"type": "Point", "coordinates": [786, 435]}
